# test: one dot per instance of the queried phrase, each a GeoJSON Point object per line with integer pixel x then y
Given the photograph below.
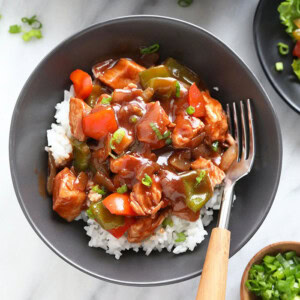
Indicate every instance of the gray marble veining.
{"type": "Point", "coordinates": [28, 269]}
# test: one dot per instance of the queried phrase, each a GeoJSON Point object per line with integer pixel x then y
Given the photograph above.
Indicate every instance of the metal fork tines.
{"type": "Point", "coordinates": [242, 129]}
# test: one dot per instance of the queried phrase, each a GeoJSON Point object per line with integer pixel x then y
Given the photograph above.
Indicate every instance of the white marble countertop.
{"type": "Point", "coordinates": [28, 269]}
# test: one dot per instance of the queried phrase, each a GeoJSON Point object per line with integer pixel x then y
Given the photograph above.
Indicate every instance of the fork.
{"type": "Point", "coordinates": [214, 275]}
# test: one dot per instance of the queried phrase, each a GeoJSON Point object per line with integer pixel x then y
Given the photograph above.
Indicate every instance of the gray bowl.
{"type": "Point", "coordinates": [34, 112]}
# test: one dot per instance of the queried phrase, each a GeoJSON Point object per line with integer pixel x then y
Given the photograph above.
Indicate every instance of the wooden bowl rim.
{"type": "Point", "coordinates": [270, 249]}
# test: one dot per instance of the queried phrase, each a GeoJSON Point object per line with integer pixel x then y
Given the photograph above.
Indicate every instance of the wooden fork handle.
{"type": "Point", "coordinates": [214, 275]}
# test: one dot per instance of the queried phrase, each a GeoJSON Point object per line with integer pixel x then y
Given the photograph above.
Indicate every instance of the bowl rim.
{"type": "Point", "coordinates": [266, 70]}
{"type": "Point", "coordinates": [12, 152]}
{"type": "Point", "coordinates": [266, 250]}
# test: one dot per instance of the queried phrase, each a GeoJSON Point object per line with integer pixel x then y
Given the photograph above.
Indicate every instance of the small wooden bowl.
{"type": "Point", "coordinates": [271, 250]}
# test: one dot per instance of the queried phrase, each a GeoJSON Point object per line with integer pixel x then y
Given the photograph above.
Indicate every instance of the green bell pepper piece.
{"type": "Point", "coordinates": [163, 86]}
{"type": "Point", "coordinates": [82, 155]}
{"type": "Point", "coordinates": [148, 74]}
{"type": "Point", "coordinates": [197, 193]}
{"type": "Point", "coordinates": [103, 216]}
{"type": "Point", "coordinates": [181, 72]}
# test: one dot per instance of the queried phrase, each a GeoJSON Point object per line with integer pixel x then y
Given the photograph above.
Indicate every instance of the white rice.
{"type": "Point", "coordinates": [61, 148]}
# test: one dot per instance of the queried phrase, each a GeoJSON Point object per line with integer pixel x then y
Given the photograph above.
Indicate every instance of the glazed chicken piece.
{"type": "Point", "coordinates": [130, 168]}
{"type": "Point", "coordinates": [127, 94]}
{"type": "Point", "coordinates": [146, 200]}
{"type": "Point", "coordinates": [154, 117]}
{"type": "Point", "coordinates": [69, 193]}
{"type": "Point", "coordinates": [216, 174]}
{"type": "Point", "coordinates": [78, 110]}
{"type": "Point", "coordinates": [186, 129]}
{"type": "Point", "coordinates": [215, 119]}
{"type": "Point", "coordinates": [144, 227]}
{"type": "Point", "coordinates": [124, 72]}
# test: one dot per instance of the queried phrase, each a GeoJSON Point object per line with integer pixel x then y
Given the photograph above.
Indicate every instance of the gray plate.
{"type": "Point", "coordinates": [34, 112]}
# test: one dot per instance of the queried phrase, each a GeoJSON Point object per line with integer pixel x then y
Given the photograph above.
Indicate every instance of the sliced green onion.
{"type": "Point", "coordinates": [31, 21]}
{"type": "Point", "coordinates": [15, 29]}
{"type": "Point", "coordinates": [151, 49]}
{"type": "Point", "coordinates": [200, 176]}
{"type": "Point", "coordinates": [168, 141]}
{"type": "Point", "coordinates": [279, 66]}
{"type": "Point", "coordinates": [98, 190]}
{"type": "Point", "coordinates": [289, 255]}
{"type": "Point", "coordinates": [277, 277]}
{"type": "Point", "coordinates": [166, 134]}
{"type": "Point", "coordinates": [181, 237]}
{"type": "Point", "coordinates": [177, 94]}
{"type": "Point", "coordinates": [106, 100]}
{"type": "Point", "coordinates": [190, 110]}
{"type": "Point", "coordinates": [167, 222]}
{"type": "Point", "coordinates": [123, 189]}
{"type": "Point", "coordinates": [215, 146]}
{"type": "Point", "coordinates": [112, 155]}
{"type": "Point", "coordinates": [90, 214]}
{"type": "Point", "coordinates": [147, 181]}
{"type": "Point", "coordinates": [117, 137]}
{"type": "Point", "coordinates": [156, 130]}
{"type": "Point", "coordinates": [133, 119]}
{"type": "Point", "coordinates": [269, 259]}
{"type": "Point", "coordinates": [27, 36]}
{"type": "Point", "coordinates": [184, 3]}
{"type": "Point", "coordinates": [283, 48]}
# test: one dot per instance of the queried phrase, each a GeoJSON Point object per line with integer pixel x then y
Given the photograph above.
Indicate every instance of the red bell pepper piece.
{"type": "Point", "coordinates": [119, 231]}
{"type": "Point", "coordinates": [99, 124]}
{"type": "Point", "coordinates": [296, 51]}
{"type": "Point", "coordinates": [197, 101]}
{"type": "Point", "coordinates": [119, 204]}
{"type": "Point", "coordinates": [82, 82]}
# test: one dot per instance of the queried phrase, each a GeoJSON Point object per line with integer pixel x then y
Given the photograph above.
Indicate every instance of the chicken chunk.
{"type": "Point", "coordinates": [155, 117]}
{"type": "Point", "coordinates": [78, 110]}
{"type": "Point", "coordinates": [124, 72]}
{"type": "Point", "coordinates": [69, 194]}
{"type": "Point", "coordinates": [186, 129]}
{"type": "Point", "coordinates": [144, 227]}
{"type": "Point", "coordinates": [146, 200]}
{"type": "Point", "coordinates": [130, 168]}
{"type": "Point", "coordinates": [216, 174]}
{"type": "Point", "coordinates": [215, 120]}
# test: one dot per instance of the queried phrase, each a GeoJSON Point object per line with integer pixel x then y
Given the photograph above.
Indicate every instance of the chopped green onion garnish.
{"type": "Point", "coordinates": [147, 181]}
{"type": "Point", "coordinates": [133, 119]}
{"type": "Point", "coordinates": [106, 100]}
{"type": "Point", "coordinates": [277, 277]}
{"type": "Point", "coordinates": [123, 189]}
{"type": "Point", "coordinates": [15, 29]}
{"type": "Point", "coordinates": [215, 146]}
{"type": "Point", "coordinates": [156, 130]}
{"type": "Point", "coordinates": [168, 141]}
{"type": "Point", "coordinates": [31, 21]}
{"type": "Point", "coordinates": [117, 137]}
{"type": "Point", "coordinates": [279, 66]}
{"type": "Point", "coordinates": [177, 94]}
{"type": "Point", "coordinates": [27, 36]}
{"type": "Point", "coordinates": [190, 110]}
{"type": "Point", "coordinates": [151, 49]}
{"type": "Point", "coordinates": [98, 190]}
{"type": "Point", "coordinates": [184, 3]}
{"type": "Point", "coordinates": [181, 237]}
{"type": "Point", "coordinates": [200, 176]}
{"type": "Point", "coordinates": [283, 48]}
{"type": "Point", "coordinates": [112, 155]}
{"type": "Point", "coordinates": [166, 134]}
{"type": "Point", "coordinates": [167, 222]}
{"type": "Point", "coordinates": [90, 214]}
